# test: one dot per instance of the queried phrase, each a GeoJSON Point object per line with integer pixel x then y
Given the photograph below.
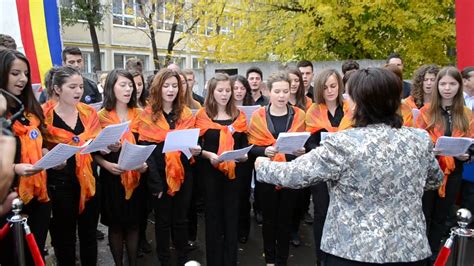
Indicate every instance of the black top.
{"type": "Point", "coordinates": [310, 93]}
{"type": "Point", "coordinates": [335, 120]}
{"type": "Point", "coordinates": [276, 125]}
{"type": "Point", "coordinates": [262, 100]}
{"type": "Point", "coordinates": [91, 93]}
{"type": "Point", "coordinates": [67, 175]}
{"type": "Point", "coordinates": [156, 175]}
{"type": "Point", "coordinates": [210, 140]}
{"type": "Point", "coordinates": [198, 98]}
{"type": "Point", "coordinates": [406, 89]}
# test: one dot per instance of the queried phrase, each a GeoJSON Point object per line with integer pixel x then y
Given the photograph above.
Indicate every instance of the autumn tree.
{"type": "Point", "coordinates": [421, 31]}
{"type": "Point", "coordinates": [91, 11]}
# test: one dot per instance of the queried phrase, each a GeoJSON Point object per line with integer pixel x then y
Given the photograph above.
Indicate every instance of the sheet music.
{"type": "Point", "coordinates": [58, 155]}
{"type": "Point", "coordinates": [97, 106]}
{"type": "Point", "coordinates": [109, 135]}
{"type": "Point", "coordinates": [235, 154]}
{"type": "Point", "coordinates": [248, 110]}
{"type": "Point", "coordinates": [451, 146]}
{"type": "Point", "coordinates": [289, 142]}
{"type": "Point", "coordinates": [194, 111]}
{"type": "Point", "coordinates": [133, 156]}
{"type": "Point", "coordinates": [181, 140]}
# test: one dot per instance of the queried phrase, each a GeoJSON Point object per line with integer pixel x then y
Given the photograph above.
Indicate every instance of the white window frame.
{"type": "Point", "coordinates": [124, 15]}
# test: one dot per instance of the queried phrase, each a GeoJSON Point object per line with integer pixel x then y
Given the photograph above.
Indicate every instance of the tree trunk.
{"type": "Point", "coordinates": [171, 42]}
{"type": "Point", "coordinates": [156, 60]}
{"type": "Point", "coordinates": [95, 41]}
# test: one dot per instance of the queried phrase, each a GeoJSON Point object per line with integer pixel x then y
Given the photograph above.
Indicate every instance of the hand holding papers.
{"type": "Point", "coordinates": [181, 140]}
{"type": "Point", "coordinates": [289, 142]}
{"type": "Point", "coordinates": [58, 155]}
{"type": "Point", "coordinates": [133, 156]}
{"type": "Point", "coordinates": [234, 155]}
{"type": "Point", "coordinates": [450, 146]}
{"type": "Point", "coordinates": [108, 136]}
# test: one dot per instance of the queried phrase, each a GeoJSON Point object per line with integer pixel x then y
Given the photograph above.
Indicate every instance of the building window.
{"type": "Point", "coordinates": [165, 16]}
{"type": "Point", "coordinates": [121, 59]}
{"type": "Point", "coordinates": [89, 61]}
{"type": "Point", "coordinates": [126, 13]}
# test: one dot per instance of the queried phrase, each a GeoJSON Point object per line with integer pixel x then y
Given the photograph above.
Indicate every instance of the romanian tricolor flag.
{"type": "Point", "coordinates": [464, 33]}
{"type": "Point", "coordinates": [35, 26]}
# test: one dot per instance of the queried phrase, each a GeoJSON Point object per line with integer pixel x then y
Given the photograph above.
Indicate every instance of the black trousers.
{"type": "Point", "coordinates": [66, 219]}
{"type": "Point", "coordinates": [39, 214]}
{"type": "Point", "coordinates": [277, 211]}
{"type": "Point", "coordinates": [320, 205]}
{"type": "Point", "coordinates": [222, 208]}
{"type": "Point", "coordinates": [244, 199]}
{"type": "Point", "coordinates": [436, 210]}
{"type": "Point", "coordinates": [332, 260]}
{"type": "Point", "coordinates": [197, 200]}
{"type": "Point", "coordinates": [171, 220]}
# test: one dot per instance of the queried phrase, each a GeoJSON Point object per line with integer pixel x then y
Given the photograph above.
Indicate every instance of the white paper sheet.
{"type": "Point", "coordinates": [248, 110]}
{"type": "Point", "coordinates": [194, 111]}
{"type": "Point", "coordinates": [235, 154]}
{"type": "Point", "coordinates": [181, 140]}
{"type": "Point", "coordinates": [450, 146]}
{"type": "Point", "coordinates": [58, 155]}
{"type": "Point", "coordinates": [109, 135]}
{"type": "Point", "coordinates": [415, 113]}
{"type": "Point", "coordinates": [133, 156]}
{"type": "Point", "coordinates": [289, 142]}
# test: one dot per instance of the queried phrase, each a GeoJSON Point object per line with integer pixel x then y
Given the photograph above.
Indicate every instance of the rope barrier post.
{"type": "Point", "coordinates": [16, 222]}
{"type": "Point", "coordinates": [463, 234]}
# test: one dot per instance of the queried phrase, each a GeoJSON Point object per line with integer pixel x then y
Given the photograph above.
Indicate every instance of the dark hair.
{"type": "Point", "coordinates": [305, 63]}
{"type": "Point", "coordinates": [142, 99]}
{"type": "Point", "coordinates": [248, 100]}
{"type": "Point", "coordinates": [109, 96]}
{"type": "Point", "coordinates": [71, 50]}
{"type": "Point", "coordinates": [134, 65]}
{"type": "Point", "coordinates": [346, 78]}
{"type": "Point", "coordinates": [211, 105]}
{"type": "Point", "coordinates": [300, 93]}
{"type": "Point", "coordinates": [7, 41]}
{"type": "Point", "coordinates": [48, 81]}
{"type": "Point", "coordinates": [155, 98]}
{"type": "Point", "coordinates": [417, 83]}
{"type": "Point", "coordinates": [394, 55]}
{"type": "Point", "coordinates": [376, 93]}
{"type": "Point", "coordinates": [62, 75]}
{"type": "Point", "coordinates": [320, 85]}
{"type": "Point", "coordinates": [459, 119]}
{"type": "Point", "coordinates": [254, 70]}
{"type": "Point", "coordinates": [349, 65]}
{"type": "Point", "coordinates": [27, 96]}
{"type": "Point", "coordinates": [465, 72]}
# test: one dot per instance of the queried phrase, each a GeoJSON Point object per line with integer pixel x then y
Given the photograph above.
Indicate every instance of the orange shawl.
{"type": "Point", "coordinates": [226, 140]}
{"type": "Point", "coordinates": [309, 102]}
{"type": "Point", "coordinates": [155, 131]}
{"type": "Point", "coordinates": [317, 118]}
{"type": "Point", "coordinates": [260, 135]}
{"type": "Point", "coordinates": [407, 114]}
{"type": "Point", "coordinates": [446, 163]}
{"type": "Point", "coordinates": [55, 135]}
{"type": "Point", "coordinates": [31, 152]}
{"type": "Point", "coordinates": [130, 179]}
{"type": "Point", "coordinates": [410, 101]}
{"type": "Point", "coordinates": [48, 105]}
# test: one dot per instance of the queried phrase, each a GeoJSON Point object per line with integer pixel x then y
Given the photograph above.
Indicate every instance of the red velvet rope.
{"type": "Point", "coordinates": [35, 253]}
{"type": "Point", "coordinates": [4, 231]}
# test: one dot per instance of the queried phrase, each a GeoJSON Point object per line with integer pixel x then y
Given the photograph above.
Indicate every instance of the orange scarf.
{"type": "Point", "coordinates": [406, 112]}
{"type": "Point", "coordinates": [31, 152]}
{"type": "Point", "coordinates": [410, 101]}
{"type": "Point", "coordinates": [317, 119]}
{"type": "Point", "coordinates": [48, 105]}
{"type": "Point", "coordinates": [309, 102]}
{"type": "Point", "coordinates": [446, 163]}
{"type": "Point", "coordinates": [260, 135]}
{"type": "Point", "coordinates": [55, 135]}
{"type": "Point", "coordinates": [155, 131]}
{"type": "Point", "coordinates": [226, 141]}
{"type": "Point", "coordinates": [130, 179]}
